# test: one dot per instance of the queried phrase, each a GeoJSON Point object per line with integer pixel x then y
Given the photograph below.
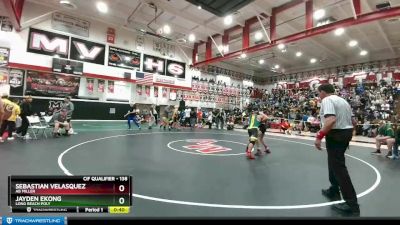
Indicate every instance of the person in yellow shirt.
{"type": "Point", "coordinates": [11, 112]}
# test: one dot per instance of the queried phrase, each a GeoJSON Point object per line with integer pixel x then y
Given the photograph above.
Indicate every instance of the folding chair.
{"type": "Point", "coordinates": [48, 124]}
{"type": "Point", "coordinates": [36, 126]}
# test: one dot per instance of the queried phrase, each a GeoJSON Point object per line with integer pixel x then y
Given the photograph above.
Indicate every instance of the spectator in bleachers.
{"type": "Point", "coordinates": [285, 126]}
{"type": "Point", "coordinates": [395, 149]}
{"type": "Point", "coordinates": [385, 136]}
{"type": "Point", "coordinates": [193, 118]}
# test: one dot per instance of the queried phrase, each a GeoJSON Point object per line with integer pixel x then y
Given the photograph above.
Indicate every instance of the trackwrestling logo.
{"type": "Point", "coordinates": [34, 220]}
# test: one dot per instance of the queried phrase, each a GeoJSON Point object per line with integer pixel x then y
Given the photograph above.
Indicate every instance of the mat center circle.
{"type": "Point", "coordinates": [209, 147]}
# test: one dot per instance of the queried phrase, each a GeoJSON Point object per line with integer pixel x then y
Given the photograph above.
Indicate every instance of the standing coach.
{"type": "Point", "coordinates": [337, 126]}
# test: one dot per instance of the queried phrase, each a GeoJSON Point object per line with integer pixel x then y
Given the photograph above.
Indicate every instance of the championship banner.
{"type": "Point", "coordinates": [231, 91]}
{"type": "Point", "coordinates": [197, 96]}
{"type": "Point", "coordinates": [190, 96]}
{"type": "Point", "coordinates": [70, 24]}
{"type": "Point", "coordinates": [90, 85]}
{"type": "Point", "coordinates": [202, 97]}
{"type": "Point", "coordinates": [101, 86]}
{"type": "Point", "coordinates": [147, 90]}
{"type": "Point", "coordinates": [139, 89]}
{"type": "Point", "coordinates": [219, 89]}
{"type": "Point", "coordinates": [164, 92]}
{"type": "Point", "coordinates": [3, 75]}
{"type": "Point", "coordinates": [212, 98]}
{"type": "Point", "coordinates": [16, 82]}
{"type": "Point", "coordinates": [156, 92]}
{"type": "Point", "coordinates": [179, 95]}
{"type": "Point", "coordinates": [110, 86]}
{"type": "Point", "coordinates": [206, 87]}
{"type": "Point", "coordinates": [51, 85]}
{"type": "Point", "coordinates": [4, 56]}
{"type": "Point", "coordinates": [184, 95]}
{"type": "Point", "coordinates": [224, 90]}
{"type": "Point", "coordinates": [210, 88]}
{"type": "Point", "coordinates": [194, 85]}
{"type": "Point", "coordinates": [200, 86]}
{"type": "Point", "coordinates": [172, 95]}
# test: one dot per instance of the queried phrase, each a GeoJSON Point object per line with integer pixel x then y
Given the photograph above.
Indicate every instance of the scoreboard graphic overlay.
{"type": "Point", "coordinates": [70, 194]}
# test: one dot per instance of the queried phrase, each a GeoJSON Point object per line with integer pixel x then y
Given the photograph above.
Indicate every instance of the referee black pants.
{"type": "Point", "coordinates": [337, 142]}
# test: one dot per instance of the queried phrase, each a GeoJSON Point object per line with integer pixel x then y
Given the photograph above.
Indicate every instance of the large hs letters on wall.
{"type": "Point", "coordinates": [47, 43]}
{"type": "Point", "coordinates": [153, 64]}
{"type": "Point", "coordinates": [176, 69]}
{"type": "Point", "coordinates": [87, 51]}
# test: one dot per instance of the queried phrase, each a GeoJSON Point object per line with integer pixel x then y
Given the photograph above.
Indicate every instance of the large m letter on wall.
{"type": "Point", "coordinates": [47, 43]}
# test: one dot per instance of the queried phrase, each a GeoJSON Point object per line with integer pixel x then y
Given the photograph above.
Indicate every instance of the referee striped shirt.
{"type": "Point", "coordinates": [336, 106]}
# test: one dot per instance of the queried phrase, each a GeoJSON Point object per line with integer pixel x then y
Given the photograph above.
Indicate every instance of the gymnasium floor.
{"type": "Point", "coordinates": [171, 179]}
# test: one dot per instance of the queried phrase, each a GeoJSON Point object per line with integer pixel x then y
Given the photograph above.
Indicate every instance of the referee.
{"type": "Point", "coordinates": [337, 126]}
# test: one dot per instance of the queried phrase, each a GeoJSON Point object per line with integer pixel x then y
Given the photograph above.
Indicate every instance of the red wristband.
{"type": "Point", "coordinates": [320, 135]}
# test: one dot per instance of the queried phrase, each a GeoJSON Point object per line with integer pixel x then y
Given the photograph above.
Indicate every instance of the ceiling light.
{"type": "Point", "coordinates": [81, 57]}
{"type": "Point", "coordinates": [298, 54]}
{"type": "Point", "coordinates": [243, 55]}
{"type": "Point", "coordinates": [276, 66]}
{"type": "Point", "coordinates": [319, 14]}
{"type": "Point", "coordinates": [313, 60]}
{"type": "Point", "coordinates": [261, 61]}
{"type": "Point", "coordinates": [192, 38]}
{"type": "Point", "coordinates": [258, 35]}
{"type": "Point", "coordinates": [167, 29]}
{"type": "Point", "coordinates": [353, 43]}
{"type": "Point", "coordinates": [65, 2]}
{"type": "Point", "coordinates": [226, 48]}
{"type": "Point", "coordinates": [281, 46]}
{"type": "Point", "coordinates": [284, 50]}
{"type": "Point", "coordinates": [363, 53]}
{"type": "Point", "coordinates": [102, 7]}
{"type": "Point", "coordinates": [228, 20]}
{"type": "Point", "coordinates": [339, 31]}
{"type": "Point", "coordinates": [199, 7]}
